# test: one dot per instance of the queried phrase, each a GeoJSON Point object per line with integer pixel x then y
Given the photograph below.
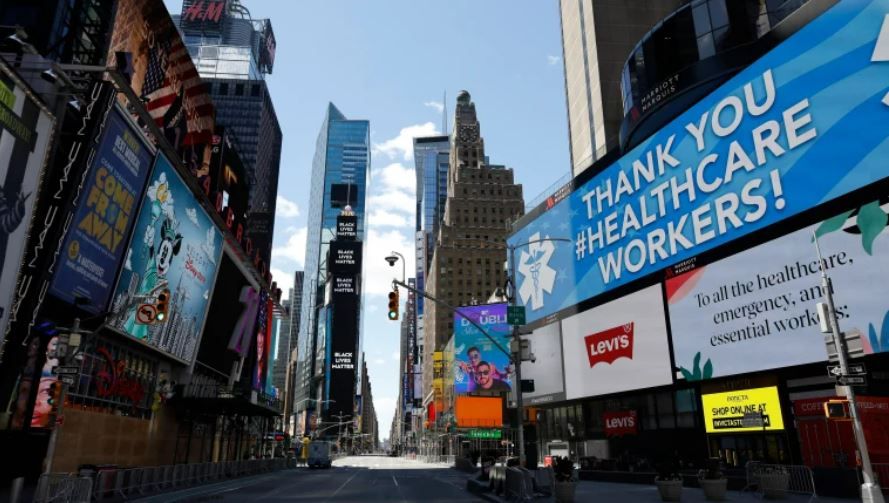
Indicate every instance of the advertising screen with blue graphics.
{"type": "Point", "coordinates": [169, 268]}
{"type": "Point", "coordinates": [801, 126]}
{"type": "Point", "coordinates": [479, 364]}
{"type": "Point", "coordinates": [100, 231]}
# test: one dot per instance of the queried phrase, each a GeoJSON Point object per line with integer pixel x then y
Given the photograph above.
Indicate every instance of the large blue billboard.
{"type": "Point", "coordinates": [100, 230]}
{"type": "Point", "coordinates": [801, 126]}
{"type": "Point", "coordinates": [164, 287]}
{"type": "Point", "coordinates": [479, 364]}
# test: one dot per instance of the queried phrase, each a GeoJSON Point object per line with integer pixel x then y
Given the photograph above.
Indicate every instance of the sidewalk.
{"type": "Point", "coordinates": [629, 493]}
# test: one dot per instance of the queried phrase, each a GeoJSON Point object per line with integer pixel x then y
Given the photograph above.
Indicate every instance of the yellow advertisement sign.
{"type": "Point", "coordinates": [746, 410]}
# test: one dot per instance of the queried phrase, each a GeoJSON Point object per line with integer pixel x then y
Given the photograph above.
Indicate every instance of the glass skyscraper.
{"type": "Point", "coordinates": [340, 170]}
{"type": "Point", "coordinates": [431, 155]}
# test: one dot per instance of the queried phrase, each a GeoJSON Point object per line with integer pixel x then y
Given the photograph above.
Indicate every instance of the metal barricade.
{"type": "Point", "coordinates": [63, 487]}
{"type": "Point", "coordinates": [519, 484]}
{"type": "Point", "coordinates": [772, 480]}
{"type": "Point", "coordinates": [545, 480]}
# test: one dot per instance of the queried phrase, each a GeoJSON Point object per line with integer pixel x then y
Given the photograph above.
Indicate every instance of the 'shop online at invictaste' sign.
{"type": "Point", "coordinates": [799, 127]}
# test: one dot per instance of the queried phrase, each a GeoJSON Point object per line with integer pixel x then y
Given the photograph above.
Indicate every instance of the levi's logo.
{"type": "Point", "coordinates": [609, 345]}
{"type": "Point", "coordinates": [620, 423]}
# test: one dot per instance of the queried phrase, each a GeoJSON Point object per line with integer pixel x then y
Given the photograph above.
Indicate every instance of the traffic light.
{"type": "Point", "coordinates": [162, 304]}
{"type": "Point", "coordinates": [55, 396]}
{"type": "Point", "coordinates": [836, 409]}
{"type": "Point", "coordinates": [393, 304]}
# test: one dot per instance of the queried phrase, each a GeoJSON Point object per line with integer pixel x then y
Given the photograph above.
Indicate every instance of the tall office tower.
{"type": "Point", "coordinates": [470, 249]}
{"type": "Point", "coordinates": [233, 53]}
{"type": "Point", "coordinates": [339, 178]}
{"type": "Point", "coordinates": [279, 368]}
{"type": "Point", "coordinates": [597, 37]}
{"type": "Point", "coordinates": [431, 168]}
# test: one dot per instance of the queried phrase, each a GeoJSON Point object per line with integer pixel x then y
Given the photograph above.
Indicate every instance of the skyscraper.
{"type": "Point", "coordinates": [339, 179]}
{"type": "Point", "coordinates": [233, 53]}
{"type": "Point", "coordinates": [470, 248]}
{"type": "Point", "coordinates": [597, 37]}
{"type": "Point", "coordinates": [431, 168]}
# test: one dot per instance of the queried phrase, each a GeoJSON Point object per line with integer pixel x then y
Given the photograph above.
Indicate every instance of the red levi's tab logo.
{"type": "Point", "coordinates": [620, 423]}
{"type": "Point", "coordinates": [609, 345]}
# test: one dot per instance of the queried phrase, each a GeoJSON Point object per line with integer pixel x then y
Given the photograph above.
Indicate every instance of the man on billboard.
{"type": "Point", "coordinates": [485, 380]}
{"type": "Point", "coordinates": [470, 368]}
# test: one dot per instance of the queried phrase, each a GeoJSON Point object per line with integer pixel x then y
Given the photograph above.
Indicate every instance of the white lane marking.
{"type": "Point", "coordinates": [340, 488]}
{"type": "Point", "coordinates": [394, 480]}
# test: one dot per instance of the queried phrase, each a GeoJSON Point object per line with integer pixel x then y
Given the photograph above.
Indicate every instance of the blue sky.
{"type": "Point", "coordinates": [391, 62]}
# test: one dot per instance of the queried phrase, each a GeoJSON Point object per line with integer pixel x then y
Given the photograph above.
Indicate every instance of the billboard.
{"type": "Point", "coordinates": [25, 130]}
{"type": "Point", "coordinates": [170, 268]}
{"type": "Point", "coordinates": [231, 318]}
{"type": "Point", "coordinates": [618, 346]}
{"type": "Point", "coordinates": [478, 411]}
{"type": "Point", "coordinates": [546, 370]}
{"type": "Point", "coordinates": [163, 73]}
{"type": "Point", "coordinates": [344, 257]}
{"type": "Point", "coordinates": [479, 365]}
{"type": "Point", "coordinates": [99, 233]}
{"type": "Point", "coordinates": [756, 310]}
{"type": "Point", "coordinates": [799, 127]}
{"type": "Point", "coordinates": [263, 342]}
{"type": "Point", "coordinates": [725, 412]}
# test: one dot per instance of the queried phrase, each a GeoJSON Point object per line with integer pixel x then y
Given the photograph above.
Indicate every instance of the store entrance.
{"type": "Point", "coordinates": [737, 450]}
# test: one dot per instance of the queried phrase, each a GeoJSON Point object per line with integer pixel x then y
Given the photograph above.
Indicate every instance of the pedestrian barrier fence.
{"type": "Point", "coordinates": [62, 487]}
{"type": "Point", "coordinates": [519, 484]}
{"type": "Point", "coordinates": [134, 482]}
{"type": "Point", "coordinates": [544, 480]}
{"type": "Point", "coordinates": [772, 480]}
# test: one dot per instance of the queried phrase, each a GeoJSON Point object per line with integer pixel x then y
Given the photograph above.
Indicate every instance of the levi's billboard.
{"type": "Point", "coordinates": [801, 126]}
{"type": "Point", "coordinates": [756, 310]}
{"type": "Point", "coordinates": [618, 346]}
{"type": "Point", "coordinates": [620, 423]}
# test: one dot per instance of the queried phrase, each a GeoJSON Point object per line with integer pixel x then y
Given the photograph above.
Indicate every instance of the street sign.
{"type": "Point", "coordinates": [853, 369]}
{"type": "Point", "coordinates": [515, 315]}
{"type": "Point", "coordinates": [146, 313]}
{"type": "Point", "coordinates": [66, 370]}
{"type": "Point", "coordinates": [67, 379]}
{"type": "Point", "coordinates": [485, 434]}
{"type": "Point", "coordinates": [851, 380]}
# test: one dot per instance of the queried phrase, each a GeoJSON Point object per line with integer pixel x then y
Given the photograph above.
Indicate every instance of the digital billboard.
{"type": "Point", "coordinates": [99, 233]}
{"type": "Point", "coordinates": [799, 127]}
{"type": "Point", "coordinates": [756, 310]}
{"type": "Point", "coordinates": [546, 369]}
{"type": "Point", "coordinates": [725, 412]}
{"type": "Point", "coordinates": [479, 365]}
{"type": "Point", "coordinates": [231, 318]}
{"type": "Point", "coordinates": [618, 346]}
{"type": "Point", "coordinates": [25, 130]}
{"type": "Point", "coordinates": [164, 287]}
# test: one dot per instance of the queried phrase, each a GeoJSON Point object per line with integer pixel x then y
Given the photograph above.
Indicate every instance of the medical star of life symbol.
{"type": "Point", "coordinates": [537, 275]}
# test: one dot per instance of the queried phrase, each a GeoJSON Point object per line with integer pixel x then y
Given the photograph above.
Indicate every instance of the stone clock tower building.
{"type": "Point", "coordinates": [470, 248]}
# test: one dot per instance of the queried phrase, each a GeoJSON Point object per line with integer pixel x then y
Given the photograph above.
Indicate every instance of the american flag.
{"type": "Point", "coordinates": [173, 90]}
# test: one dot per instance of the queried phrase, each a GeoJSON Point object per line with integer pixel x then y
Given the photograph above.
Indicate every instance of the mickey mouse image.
{"type": "Point", "coordinates": [160, 244]}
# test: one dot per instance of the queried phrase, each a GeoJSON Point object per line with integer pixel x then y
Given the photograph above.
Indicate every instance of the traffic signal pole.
{"type": "Point", "coordinates": [870, 488]}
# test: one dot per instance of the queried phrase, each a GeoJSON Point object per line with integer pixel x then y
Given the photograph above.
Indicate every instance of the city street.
{"type": "Point", "coordinates": [358, 478]}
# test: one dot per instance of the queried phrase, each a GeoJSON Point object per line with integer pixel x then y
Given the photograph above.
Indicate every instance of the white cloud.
{"type": "Point", "coordinates": [396, 176]}
{"type": "Point", "coordinates": [392, 200]}
{"type": "Point", "coordinates": [377, 271]}
{"type": "Point", "coordinates": [396, 355]}
{"type": "Point", "coordinates": [403, 144]}
{"type": "Point", "coordinates": [386, 219]}
{"type": "Point", "coordinates": [284, 280]}
{"type": "Point", "coordinates": [294, 250]}
{"type": "Point", "coordinates": [439, 107]}
{"type": "Point", "coordinates": [285, 208]}
{"type": "Point", "coordinates": [553, 60]}
{"type": "Point", "coordinates": [380, 361]}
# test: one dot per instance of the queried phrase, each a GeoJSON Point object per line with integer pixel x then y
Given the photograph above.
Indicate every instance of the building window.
{"type": "Point", "coordinates": [223, 88]}
{"type": "Point", "coordinates": [255, 90]}
{"type": "Point", "coordinates": [239, 89]}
